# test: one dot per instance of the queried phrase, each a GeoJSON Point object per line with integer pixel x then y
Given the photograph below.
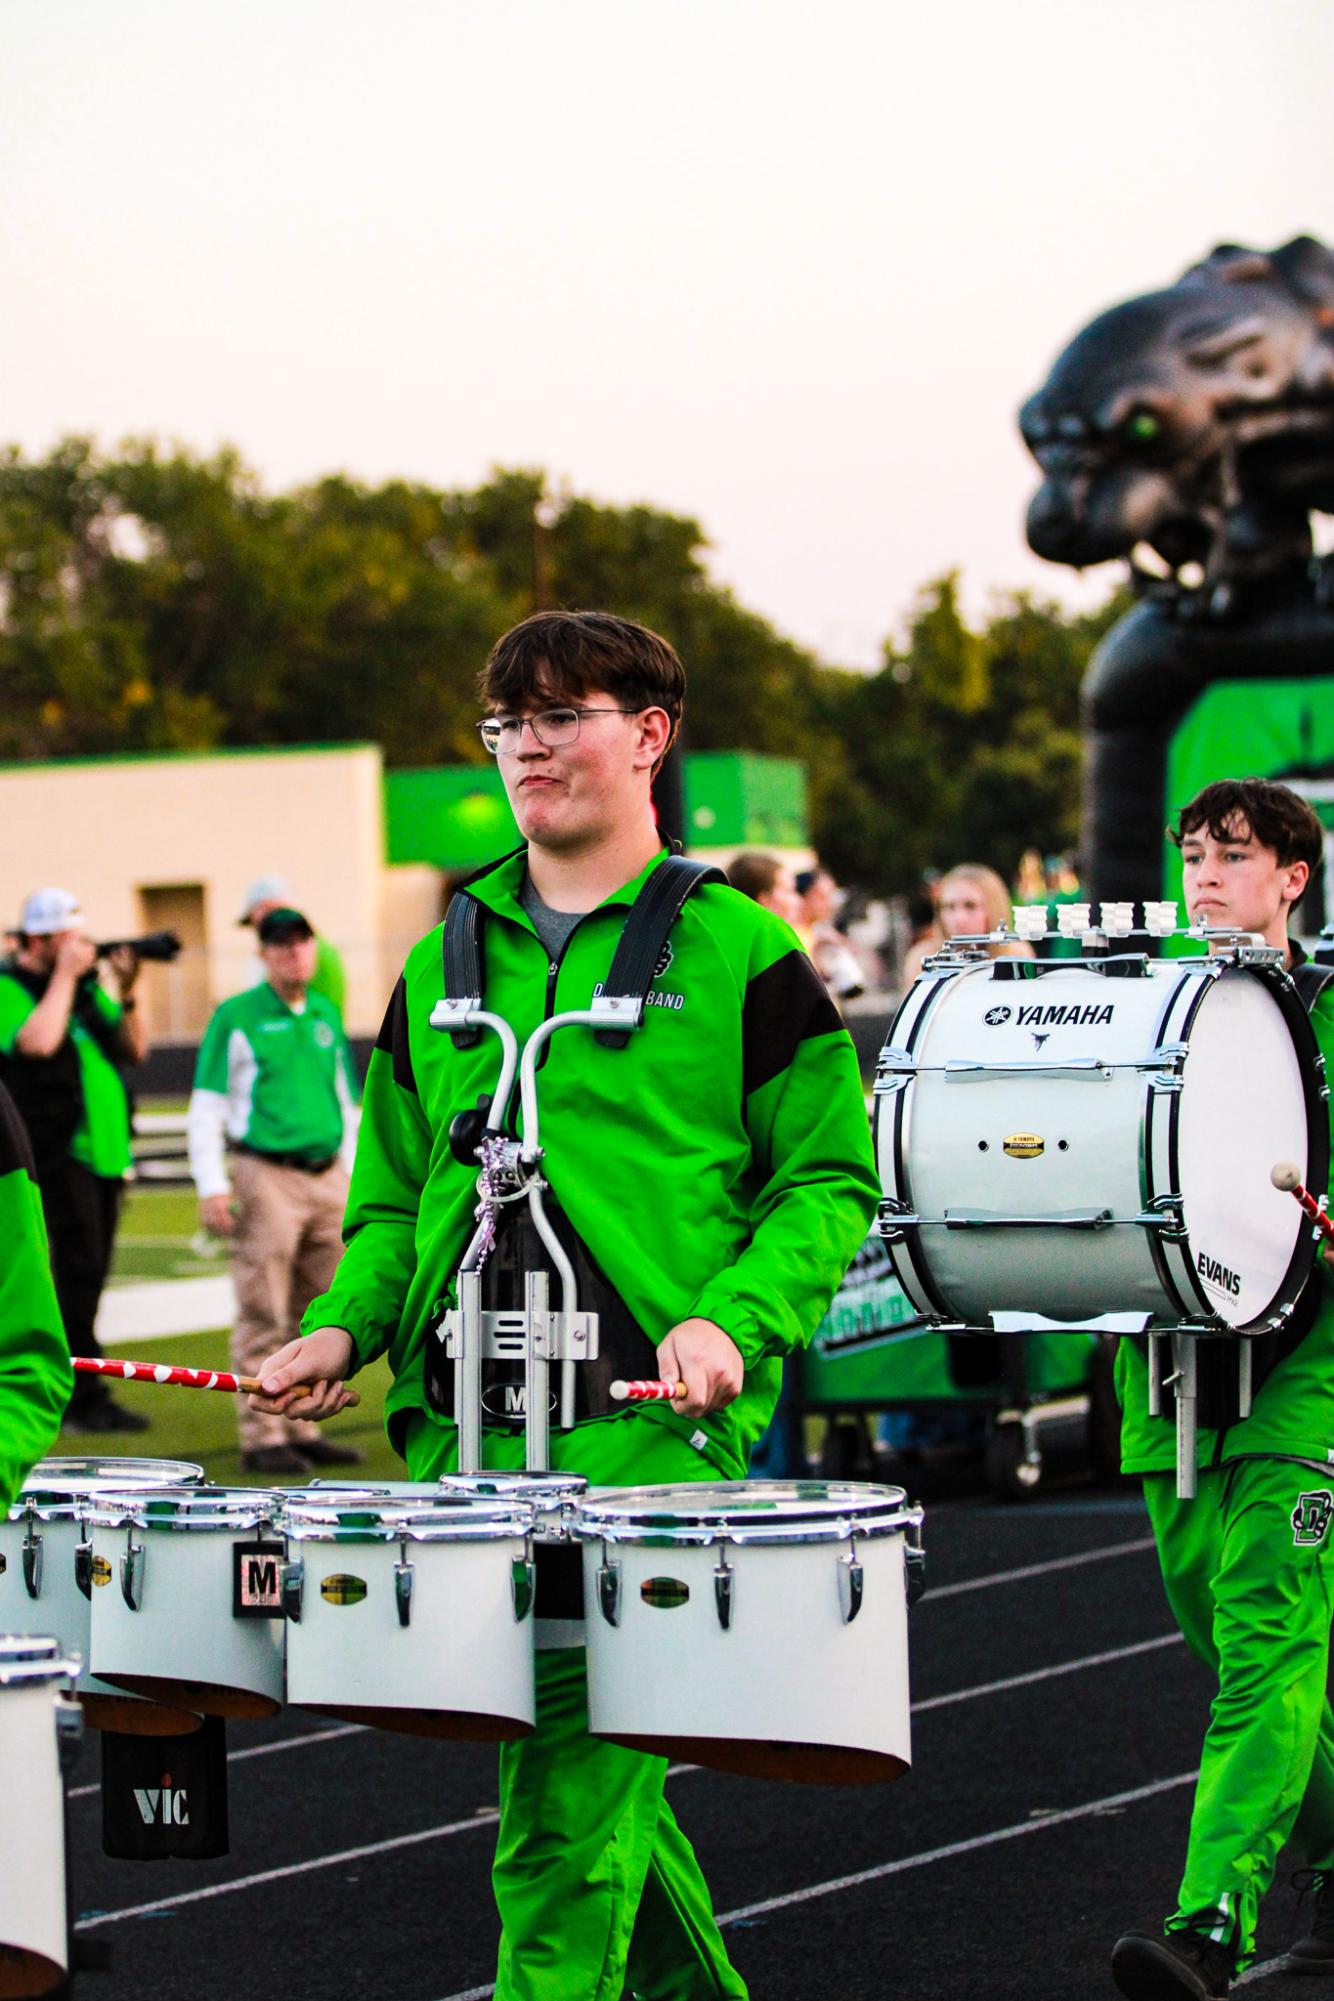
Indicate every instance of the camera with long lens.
{"type": "Point", "coordinates": [161, 945]}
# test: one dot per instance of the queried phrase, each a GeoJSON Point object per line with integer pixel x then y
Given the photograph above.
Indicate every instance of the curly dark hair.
{"type": "Point", "coordinates": [1276, 816]}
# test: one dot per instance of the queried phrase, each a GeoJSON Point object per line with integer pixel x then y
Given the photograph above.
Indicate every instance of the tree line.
{"type": "Point", "coordinates": [159, 600]}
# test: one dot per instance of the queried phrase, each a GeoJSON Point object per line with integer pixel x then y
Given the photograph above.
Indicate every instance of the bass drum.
{"type": "Point", "coordinates": [1075, 1140]}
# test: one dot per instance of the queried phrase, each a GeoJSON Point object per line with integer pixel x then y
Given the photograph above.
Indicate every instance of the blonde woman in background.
{"type": "Point", "coordinates": [972, 900]}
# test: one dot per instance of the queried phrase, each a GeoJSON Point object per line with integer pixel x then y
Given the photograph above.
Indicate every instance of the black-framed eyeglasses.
{"type": "Point", "coordinates": [502, 735]}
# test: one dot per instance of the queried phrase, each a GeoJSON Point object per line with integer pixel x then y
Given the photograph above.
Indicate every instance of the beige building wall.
{"type": "Point", "coordinates": [412, 897]}
{"type": "Point", "coordinates": [176, 840]}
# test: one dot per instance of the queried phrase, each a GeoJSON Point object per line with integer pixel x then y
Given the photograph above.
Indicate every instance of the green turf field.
{"type": "Point", "coordinates": [159, 1237]}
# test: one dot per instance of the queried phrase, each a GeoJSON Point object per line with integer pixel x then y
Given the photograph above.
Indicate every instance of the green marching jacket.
{"type": "Point", "coordinates": [35, 1373]}
{"type": "Point", "coordinates": [719, 1165]}
{"type": "Point", "coordinates": [1293, 1412]}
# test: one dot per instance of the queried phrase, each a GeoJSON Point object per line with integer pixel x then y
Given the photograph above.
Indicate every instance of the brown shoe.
{"type": "Point", "coordinates": [275, 1459]}
{"type": "Point", "coordinates": [324, 1452]}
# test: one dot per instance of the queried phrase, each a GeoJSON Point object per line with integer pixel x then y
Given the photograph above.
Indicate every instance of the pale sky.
{"type": "Point", "coordinates": [787, 268]}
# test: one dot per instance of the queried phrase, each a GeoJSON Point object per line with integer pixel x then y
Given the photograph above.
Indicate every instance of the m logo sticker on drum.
{"type": "Point", "coordinates": [1023, 1146]}
{"type": "Point", "coordinates": [257, 1580]}
{"type": "Point", "coordinates": [1311, 1517]}
{"type": "Point", "coordinates": [101, 1570]}
{"type": "Point", "coordinates": [343, 1589]}
{"type": "Point", "coordinates": [664, 1593]}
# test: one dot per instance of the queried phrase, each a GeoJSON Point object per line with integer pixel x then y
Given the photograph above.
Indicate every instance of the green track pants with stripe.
{"type": "Point", "coordinates": [1249, 1571]}
{"type": "Point", "coordinates": [598, 1890]}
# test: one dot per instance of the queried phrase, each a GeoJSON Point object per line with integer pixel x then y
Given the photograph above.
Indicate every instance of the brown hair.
{"type": "Point", "coordinates": [1278, 818]}
{"type": "Point", "coordinates": [753, 873]}
{"type": "Point", "coordinates": [566, 654]}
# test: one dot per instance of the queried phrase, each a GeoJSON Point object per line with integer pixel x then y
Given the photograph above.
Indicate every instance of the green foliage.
{"type": "Point", "coordinates": [156, 600]}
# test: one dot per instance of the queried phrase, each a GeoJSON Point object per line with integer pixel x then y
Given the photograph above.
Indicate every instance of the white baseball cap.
{"type": "Point", "coordinates": [266, 889]}
{"type": "Point", "coordinates": [47, 911]}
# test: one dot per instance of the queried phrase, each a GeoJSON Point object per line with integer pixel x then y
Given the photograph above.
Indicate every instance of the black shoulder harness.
{"type": "Point", "coordinates": [634, 962]}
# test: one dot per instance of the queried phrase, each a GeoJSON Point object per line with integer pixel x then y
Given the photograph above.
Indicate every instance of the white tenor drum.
{"type": "Point", "coordinates": [46, 1576]}
{"type": "Point", "coordinates": [558, 1603]}
{"type": "Point", "coordinates": [186, 1597]}
{"type": "Point", "coordinates": [412, 1613]}
{"type": "Point", "coordinates": [35, 1682]}
{"type": "Point", "coordinates": [1077, 1139]}
{"type": "Point", "coordinates": [758, 1627]}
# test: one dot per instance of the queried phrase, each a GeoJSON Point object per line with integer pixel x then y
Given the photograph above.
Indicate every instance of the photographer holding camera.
{"type": "Point", "coordinates": [64, 1041]}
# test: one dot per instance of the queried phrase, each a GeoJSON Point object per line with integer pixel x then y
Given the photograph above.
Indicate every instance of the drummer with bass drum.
{"type": "Point", "coordinates": [710, 1177]}
{"type": "Point", "coordinates": [1248, 1564]}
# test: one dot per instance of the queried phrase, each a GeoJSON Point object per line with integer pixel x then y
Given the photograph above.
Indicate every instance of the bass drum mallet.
{"type": "Point", "coordinates": [1287, 1177]}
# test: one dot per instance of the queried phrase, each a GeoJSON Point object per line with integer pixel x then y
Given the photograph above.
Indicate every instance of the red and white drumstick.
{"type": "Point", "coordinates": [179, 1378]}
{"type": "Point", "coordinates": [1287, 1177]}
{"type": "Point", "coordinates": [646, 1391]}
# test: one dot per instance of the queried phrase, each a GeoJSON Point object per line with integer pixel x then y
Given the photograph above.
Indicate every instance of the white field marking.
{"type": "Point", "coordinates": [1110, 1804]}
{"type": "Point", "coordinates": [487, 1818]}
{"type": "Point", "coordinates": [256, 1751]}
{"type": "Point", "coordinates": [1262, 1971]}
{"type": "Point", "coordinates": [1046, 1673]}
{"type": "Point", "coordinates": [936, 1591]}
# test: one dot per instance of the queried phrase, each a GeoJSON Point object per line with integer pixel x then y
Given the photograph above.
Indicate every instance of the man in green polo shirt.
{"type": "Point", "coordinates": [64, 1041]}
{"type": "Point", "coordinates": [35, 1375]}
{"type": "Point", "coordinates": [275, 1080]}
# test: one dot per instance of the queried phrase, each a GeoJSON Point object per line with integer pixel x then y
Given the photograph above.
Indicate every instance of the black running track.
{"type": "Point", "coordinates": [1057, 1725]}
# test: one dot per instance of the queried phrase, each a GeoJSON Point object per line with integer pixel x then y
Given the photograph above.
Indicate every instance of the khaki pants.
{"type": "Point", "coordinates": [285, 1250]}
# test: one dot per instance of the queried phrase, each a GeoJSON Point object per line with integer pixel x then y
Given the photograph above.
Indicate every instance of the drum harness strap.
{"type": "Point", "coordinates": [530, 1335]}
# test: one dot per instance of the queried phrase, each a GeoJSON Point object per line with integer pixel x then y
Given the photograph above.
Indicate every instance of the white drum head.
{"type": "Point", "coordinates": [1243, 1107]}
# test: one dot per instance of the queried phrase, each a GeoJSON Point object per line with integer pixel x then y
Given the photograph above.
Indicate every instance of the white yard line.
{"type": "Point", "coordinates": [258, 1751]}
{"type": "Point", "coordinates": [935, 1592]}
{"type": "Point", "coordinates": [1111, 1803]}
{"type": "Point", "coordinates": [1046, 1673]}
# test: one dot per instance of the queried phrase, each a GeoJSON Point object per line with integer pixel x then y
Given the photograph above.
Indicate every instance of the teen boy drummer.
{"type": "Point", "coordinates": [1249, 1563]}
{"type": "Point", "coordinates": [717, 1170]}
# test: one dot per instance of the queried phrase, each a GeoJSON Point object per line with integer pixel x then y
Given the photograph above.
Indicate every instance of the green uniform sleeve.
{"type": "Point", "coordinates": [35, 1374]}
{"type": "Point", "coordinates": [817, 1188]}
{"type": "Point", "coordinates": [16, 1004]}
{"type": "Point", "coordinates": [211, 1063]}
{"type": "Point", "coordinates": [380, 1228]}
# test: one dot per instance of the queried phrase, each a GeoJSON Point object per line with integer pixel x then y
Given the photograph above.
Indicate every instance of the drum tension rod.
{"type": "Point", "coordinates": [609, 1588]}
{"type": "Point", "coordinates": [403, 1576]}
{"type": "Point", "coordinates": [851, 1582]}
{"type": "Point", "coordinates": [724, 1585]}
{"type": "Point", "coordinates": [32, 1562]}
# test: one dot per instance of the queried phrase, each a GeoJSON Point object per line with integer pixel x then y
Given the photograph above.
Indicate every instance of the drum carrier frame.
{"type": "Point", "coordinates": [511, 1169]}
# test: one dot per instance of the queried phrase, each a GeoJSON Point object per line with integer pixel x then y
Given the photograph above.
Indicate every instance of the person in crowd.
{"type": "Point", "coordinates": [274, 892]}
{"type": "Point", "coordinates": [972, 901]}
{"type": "Point", "coordinates": [739, 1098]}
{"type": "Point", "coordinates": [35, 1374]}
{"type": "Point", "coordinates": [835, 961]}
{"type": "Point", "coordinates": [65, 1042]}
{"type": "Point", "coordinates": [1248, 1564]}
{"type": "Point", "coordinates": [276, 1081]}
{"type": "Point", "coordinates": [768, 881]}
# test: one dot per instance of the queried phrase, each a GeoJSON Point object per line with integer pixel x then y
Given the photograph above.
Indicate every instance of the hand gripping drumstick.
{"type": "Point", "coordinates": [1285, 1176]}
{"type": "Point", "coordinates": [185, 1379]}
{"type": "Point", "coordinates": [646, 1391]}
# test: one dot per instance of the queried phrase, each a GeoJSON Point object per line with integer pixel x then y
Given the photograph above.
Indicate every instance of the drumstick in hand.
{"type": "Point", "coordinates": [1287, 1177]}
{"type": "Point", "coordinates": [179, 1378]}
{"type": "Point", "coordinates": [646, 1391]}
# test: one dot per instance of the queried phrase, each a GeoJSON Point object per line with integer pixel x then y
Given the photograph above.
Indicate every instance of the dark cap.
{"type": "Point", "coordinates": [283, 927]}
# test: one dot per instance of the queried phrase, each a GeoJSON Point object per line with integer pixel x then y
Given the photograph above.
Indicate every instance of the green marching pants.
{"type": "Point", "coordinates": [598, 1890]}
{"type": "Point", "coordinates": [1249, 1570]}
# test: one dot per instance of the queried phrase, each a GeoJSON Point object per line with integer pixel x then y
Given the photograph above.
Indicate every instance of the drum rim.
{"type": "Point", "coordinates": [408, 1519]}
{"type": "Point", "coordinates": [630, 1516]}
{"type": "Point", "coordinates": [232, 1508]}
{"type": "Point", "coordinates": [35, 1658]}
